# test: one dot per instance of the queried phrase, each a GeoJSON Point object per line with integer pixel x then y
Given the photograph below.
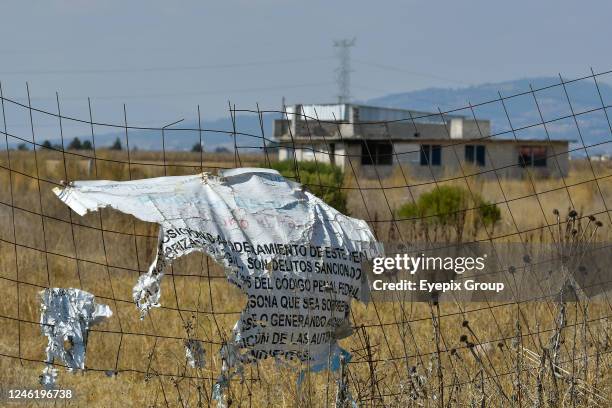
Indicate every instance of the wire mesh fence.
{"type": "Point", "coordinates": [538, 350]}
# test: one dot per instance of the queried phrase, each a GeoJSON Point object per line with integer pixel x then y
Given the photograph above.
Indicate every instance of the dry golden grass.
{"type": "Point", "coordinates": [526, 204]}
{"type": "Point", "coordinates": [401, 355]}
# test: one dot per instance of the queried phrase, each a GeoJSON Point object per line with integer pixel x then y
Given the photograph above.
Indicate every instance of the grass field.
{"type": "Point", "coordinates": [404, 353]}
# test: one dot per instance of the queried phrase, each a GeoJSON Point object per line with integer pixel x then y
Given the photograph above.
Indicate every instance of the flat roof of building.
{"type": "Point", "coordinates": [367, 113]}
{"type": "Point", "coordinates": [456, 141]}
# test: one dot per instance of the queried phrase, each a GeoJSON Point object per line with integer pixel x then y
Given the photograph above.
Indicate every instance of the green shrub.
{"type": "Point", "coordinates": [322, 180]}
{"type": "Point", "coordinates": [489, 212]}
{"type": "Point", "coordinates": [446, 206]}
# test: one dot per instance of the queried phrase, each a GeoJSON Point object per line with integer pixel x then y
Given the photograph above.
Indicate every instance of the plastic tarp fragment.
{"type": "Point", "coordinates": [195, 353]}
{"type": "Point", "coordinates": [231, 365]}
{"type": "Point", "coordinates": [147, 291]}
{"type": "Point", "coordinates": [298, 261]}
{"type": "Point", "coordinates": [344, 399]}
{"type": "Point", "coordinates": [66, 316]}
{"type": "Point", "coordinates": [48, 377]}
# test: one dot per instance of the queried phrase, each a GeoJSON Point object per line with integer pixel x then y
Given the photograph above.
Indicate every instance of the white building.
{"type": "Point", "coordinates": [425, 144]}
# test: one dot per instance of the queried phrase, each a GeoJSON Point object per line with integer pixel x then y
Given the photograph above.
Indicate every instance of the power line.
{"type": "Point", "coordinates": [403, 70]}
{"type": "Point", "coordinates": [164, 69]}
{"type": "Point", "coordinates": [194, 93]}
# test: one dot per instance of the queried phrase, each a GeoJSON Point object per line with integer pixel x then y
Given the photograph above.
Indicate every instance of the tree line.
{"type": "Point", "coordinates": [75, 144]}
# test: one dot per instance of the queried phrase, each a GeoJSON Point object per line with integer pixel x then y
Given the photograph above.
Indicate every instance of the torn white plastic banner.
{"type": "Point", "coordinates": [298, 260]}
{"type": "Point", "coordinates": [66, 316]}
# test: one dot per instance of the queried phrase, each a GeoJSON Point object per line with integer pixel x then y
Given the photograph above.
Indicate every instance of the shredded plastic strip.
{"type": "Point", "coordinates": [66, 316]}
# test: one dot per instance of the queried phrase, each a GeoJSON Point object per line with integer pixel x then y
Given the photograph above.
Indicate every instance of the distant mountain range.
{"type": "Point", "coordinates": [522, 111]}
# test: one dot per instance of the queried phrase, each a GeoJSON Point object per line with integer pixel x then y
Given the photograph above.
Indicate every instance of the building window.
{"type": "Point", "coordinates": [475, 154]}
{"type": "Point", "coordinates": [376, 152]}
{"type": "Point", "coordinates": [532, 156]}
{"type": "Point", "coordinates": [431, 155]}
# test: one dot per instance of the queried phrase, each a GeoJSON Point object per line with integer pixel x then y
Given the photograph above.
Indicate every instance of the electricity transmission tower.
{"type": "Point", "coordinates": [343, 72]}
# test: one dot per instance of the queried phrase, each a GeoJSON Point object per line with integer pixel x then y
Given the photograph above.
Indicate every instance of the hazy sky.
{"type": "Point", "coordinates": [163, 58]}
